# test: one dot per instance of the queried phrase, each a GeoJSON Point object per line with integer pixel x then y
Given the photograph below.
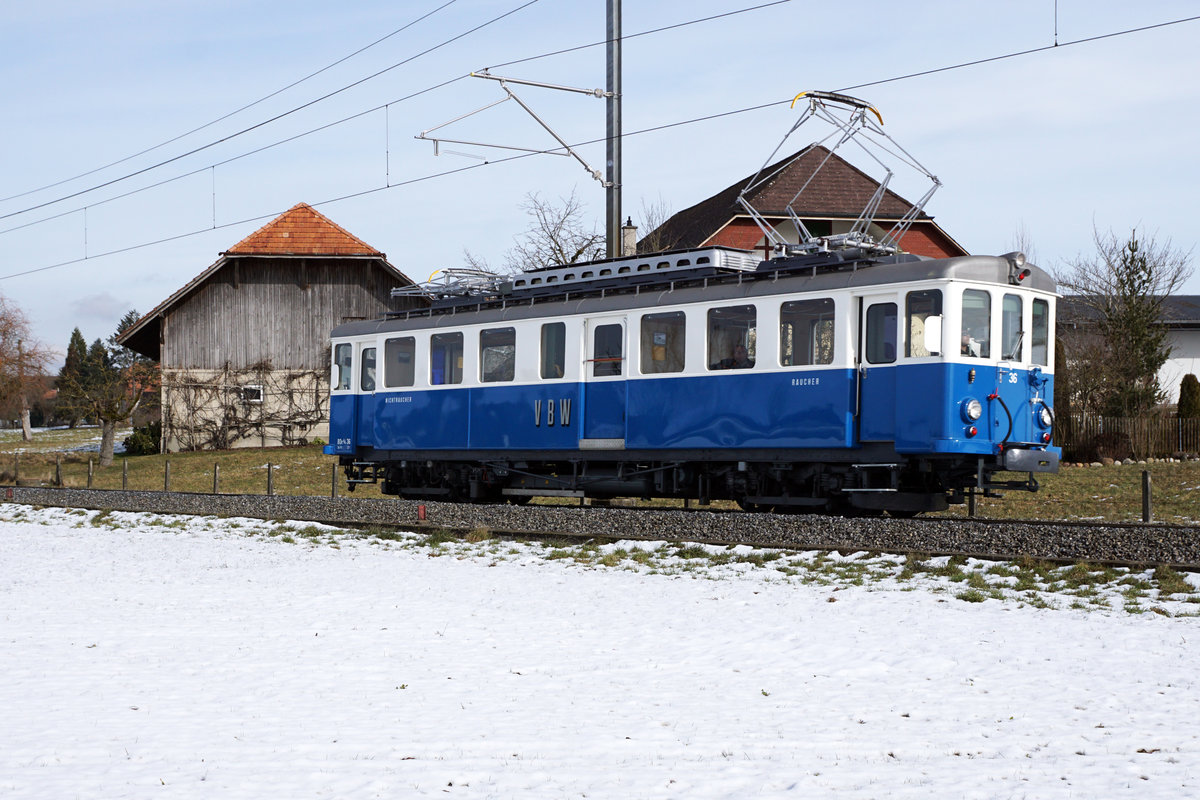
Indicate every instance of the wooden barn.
{"type": "Point", "coordinates": [829, 205]}
{"type": "Point", "coordinates": [244, 347]}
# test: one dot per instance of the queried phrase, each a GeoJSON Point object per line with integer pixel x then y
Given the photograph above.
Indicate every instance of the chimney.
{"type": "Point", "coordinates": [629, 238]}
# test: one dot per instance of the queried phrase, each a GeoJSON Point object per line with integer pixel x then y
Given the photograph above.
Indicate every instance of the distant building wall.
{"type": "Point", "coordinates": [251, 407]}
{"type": "Point", "coordinates": [1185, 359]}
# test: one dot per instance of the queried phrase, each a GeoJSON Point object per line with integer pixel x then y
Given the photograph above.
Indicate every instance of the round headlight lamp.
{"type": "Point", "coordinates": [972, 410]}
{"type": "Point", "coordinates": [1045, 417]}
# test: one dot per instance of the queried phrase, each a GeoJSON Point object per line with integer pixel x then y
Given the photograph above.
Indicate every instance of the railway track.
{"type": "Point", "coordinates": [1104, 543]}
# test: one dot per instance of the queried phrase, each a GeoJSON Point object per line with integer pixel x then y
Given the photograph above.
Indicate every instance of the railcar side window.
{"type": "Point", "coordinates": [1041, 333]}
{"type": "Point", "coordinates": [881, 333]}
{"type": "Point", "coordinates": [445, 358]}
{"type": "Point", "coordinates": [342, 357]}
{"type": "Point", "coordinates": [398, 357]}
{"type": "Point", "coordinates": [497, 354]}
{"type": "Point", "coordinates": [732, 336]}
{"type": "Point", "coordinates": [976, 324]}
{"type": "Point", "coordinates": [1011, 334]}
{"type": "Point", "coordinates": [662, 342]}
{"type": "Point", "coordinates": [921, 306]}
{"type": "Point", "coordinates": [607, 353]}
{"type": "Point", "coordinates": [366, 379]}
{"type": "Point", "coordinates": [806, 332]}
{"type": "Point", "coordinates": [554, 349]}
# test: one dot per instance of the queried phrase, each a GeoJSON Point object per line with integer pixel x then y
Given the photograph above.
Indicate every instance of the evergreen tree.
{"type": "Point", "coordinates": [1189, 397]}
{"type": "Point", "coordinates": [70, 405]}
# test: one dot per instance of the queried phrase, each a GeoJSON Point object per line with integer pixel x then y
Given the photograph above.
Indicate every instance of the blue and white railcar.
{"type": "Point", "coordinates": [830, 381]}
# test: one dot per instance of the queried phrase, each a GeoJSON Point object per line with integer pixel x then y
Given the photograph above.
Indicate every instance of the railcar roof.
{"type": "Point", "coordinates": [780, 276]}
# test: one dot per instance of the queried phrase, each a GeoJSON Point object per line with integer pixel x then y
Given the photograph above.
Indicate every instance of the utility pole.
{"type": "Point", "coordinates": [613, 192]}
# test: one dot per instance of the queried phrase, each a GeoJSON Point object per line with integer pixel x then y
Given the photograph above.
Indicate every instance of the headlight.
{"type": "Point", "coordinates": [972, 410]}
{"type": "Point", "coordinates": [1045, 417]}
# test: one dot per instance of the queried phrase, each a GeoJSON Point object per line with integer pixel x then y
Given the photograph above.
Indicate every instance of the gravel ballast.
{"type": "Point", "coordinates": [1130, 544]}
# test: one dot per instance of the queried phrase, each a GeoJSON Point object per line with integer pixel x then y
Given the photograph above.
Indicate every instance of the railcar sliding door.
{"type": "Point", "coordinates": [604, 375]}
{"type": "Point", "coordinates": [876, 362]}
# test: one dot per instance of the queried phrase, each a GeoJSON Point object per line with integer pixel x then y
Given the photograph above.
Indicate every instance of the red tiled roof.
{"type": "Point", "coordinates": [302, 231]}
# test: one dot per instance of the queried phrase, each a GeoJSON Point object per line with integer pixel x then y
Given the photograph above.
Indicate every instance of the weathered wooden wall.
{"type": "Point", "coordinates": [276, 311]}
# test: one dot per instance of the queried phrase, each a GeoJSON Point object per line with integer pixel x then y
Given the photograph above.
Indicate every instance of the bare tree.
{"type": "Point", "coordinates": [1022, 241]}
{"type": "Point", "coordinates": [556, 235]}
{"type": "Point", "coordinates": [1113, 322]}
{"type": "Point", "coordinates": [654, 215]}
{"type": "Point", "coordinates": [23, 361]}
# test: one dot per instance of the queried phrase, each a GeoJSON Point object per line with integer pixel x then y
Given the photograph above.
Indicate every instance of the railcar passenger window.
{"type": "Point", "coordinates": [732, 337]}
{"type": "Point", "coordinates": [554, 350]}
{"type": "Point", "coordinates": [921, 306]}
{"type": "Point", "coordinates": [398, 357]}
{"type": "Point", "coordinates": [1041, 333]}
{"type": "Point", "coordinates": [881, 333]}
{"type": "Point", "coordinates": [366, 379]}
{"type": "Point", "coordinates": [342, 357]}
{"type": "Point", "coordinates": [497, 354]}
{"type": "Point", "coordinates": [1011, 334]}
{"type": "Point", "coordinates": [662, 342]}
{"type": "Point", "coordinates": [607, 352]}
{"type": "Point", "coordinates": [806, 332]}
{"type": "Point", "coordinates": [976, 324]}
{"type": "Point", "coordinates": [445, 358]}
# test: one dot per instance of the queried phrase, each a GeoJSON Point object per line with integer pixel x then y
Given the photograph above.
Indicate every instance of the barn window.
{"type": "Point", "coordinates": [554, 350]}
{"type": "Point", "coordinates": [398, 357]}
{"type": "Point", "coordinates": [342, 359]}
{"type": "Point", "coordinates": [662, 342]}
{"type": "Point", "coordinates": [366, 378]}
{"type": "Point", "coordinates": [497, 354]}
{"type": "Point", "coordinates": [806, 331]}
{"type": "Point", "coordinates": [252, 394]}
{"type": "Point", "coordinates": [445, 358]}
{"type": "Point", "coordinates": [732, 337]}
{"type": "Point", "coordinates": [921, 307]}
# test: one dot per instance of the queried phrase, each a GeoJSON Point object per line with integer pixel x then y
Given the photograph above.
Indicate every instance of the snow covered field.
{"type": "Point", "coordinates": [163, 657]}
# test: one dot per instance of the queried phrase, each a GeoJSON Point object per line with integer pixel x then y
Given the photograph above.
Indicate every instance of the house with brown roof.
{"type": "Point", "coordinates": [244, 346]}
{"type": "Point", "coordinates": [829, 205]}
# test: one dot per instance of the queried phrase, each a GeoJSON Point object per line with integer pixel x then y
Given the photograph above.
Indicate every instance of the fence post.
{"type": "Point", "coordinates": [333, 480]}
{"type": "Point", "coordinates": [166, 476]}
{"type": "Point", "coordinates": [270, 478]}
{"type": "Point", "coordinates": [124, 474]}
{"type": "Point", "coordinates": [91, 472]}
{"type": "Point", "coordinates": [58, 470]}
{"type": "Point", "coordinates": [216, 478]}
{"type": "Point", "coordinates": [1146, 495]}
{"type": "Point", "coordinates": [16, 469]}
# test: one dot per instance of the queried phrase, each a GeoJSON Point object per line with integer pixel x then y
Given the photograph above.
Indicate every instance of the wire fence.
{"type": "Point", "coordinates": [1084, 437]}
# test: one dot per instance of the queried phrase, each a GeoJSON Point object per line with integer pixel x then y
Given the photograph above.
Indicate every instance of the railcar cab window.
{"type": "Point", "coordinates": [1041, 333]}
{"type": "Point", "coordinates": [924, 311]}
{"type": "Point", "coordinates": [445, 358]}
{"type": "Point", "coordinates": [976, 324]}
{"type": "Point", "coordinates": [398, 362]}
{"type": "Point", "coordinates": [662, 342]}
{"type": "Point", "coordinates": [806, 331]}
{"type": "Point", "coordinates": [732, 335]}
{"type": "Point", "coordinates": [607, 352]}
{"type": "Point", "coordinates": [554, 350]}
{"type": "Point", "coordinates": [497, 354]}
{"type": "Point", "coordinates": [881, 333]}
{"type": "Point", "coordinates": [342, 359]}
{"type": "Point", "coordinates": [366, 378]}
{"type": "Point", "coordinates": [1011, 334]}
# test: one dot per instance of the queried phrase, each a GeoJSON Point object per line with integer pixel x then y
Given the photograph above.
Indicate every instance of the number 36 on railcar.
{"type": "Point", "coordinates": [837, 382]}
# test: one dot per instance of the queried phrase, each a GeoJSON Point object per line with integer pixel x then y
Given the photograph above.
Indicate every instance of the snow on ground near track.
{"type": "Point", "coordinates": [175, 658]}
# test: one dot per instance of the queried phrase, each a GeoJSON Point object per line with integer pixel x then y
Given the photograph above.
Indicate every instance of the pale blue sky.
{"type": "Point", "coordinates": [1055, 142]}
